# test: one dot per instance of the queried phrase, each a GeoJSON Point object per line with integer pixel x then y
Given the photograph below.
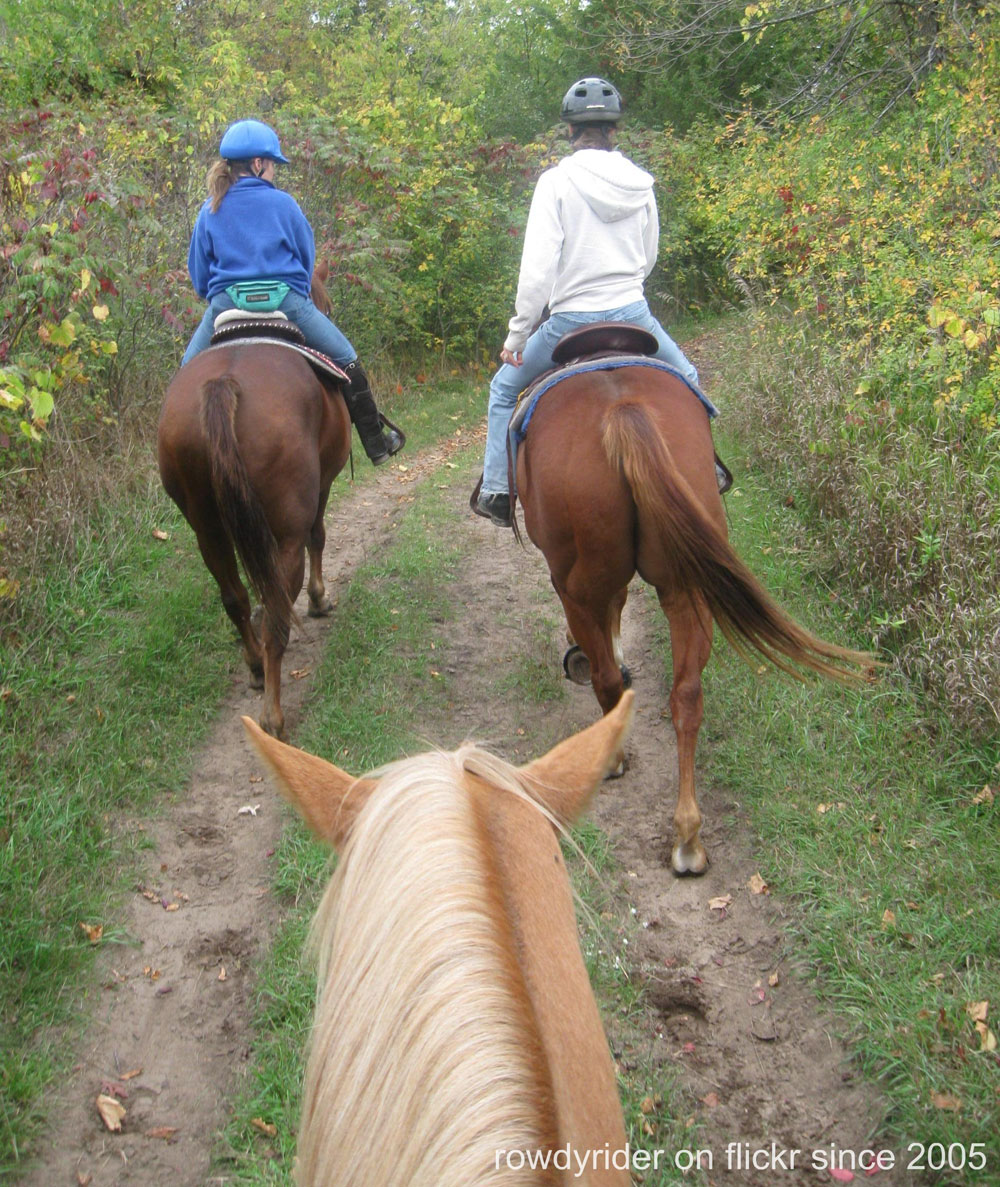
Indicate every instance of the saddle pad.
{"type": "Point", "coordinates": [529, 399]}
{"type": "Point", "coordinates": [322, 365]}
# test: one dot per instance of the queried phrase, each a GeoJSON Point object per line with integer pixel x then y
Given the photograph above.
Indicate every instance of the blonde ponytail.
{"type": "Point", "coordinates": [220, 177]}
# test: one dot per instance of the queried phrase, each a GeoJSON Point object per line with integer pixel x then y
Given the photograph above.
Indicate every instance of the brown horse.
{"type": "Point", "coordinates": [616, 476]}
{"type": "Point", "coordinates": [250, 439]}
{"type": "Point", "coordinates": [456, 1040]}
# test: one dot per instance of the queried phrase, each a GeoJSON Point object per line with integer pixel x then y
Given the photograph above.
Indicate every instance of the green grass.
{"type": "Point", "coordinates": [112, 665]}
{"type": "Point", "coordinates": [98, 719]}
{"type": "Point", "coordinates": [866, 813]}
{"type": "Point", "coordinates": [378, 662]}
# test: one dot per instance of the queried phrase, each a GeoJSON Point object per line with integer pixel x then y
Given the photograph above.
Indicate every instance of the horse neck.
{"type": "Point", "coordinates": [538, 903]}
{"type": "Point", "coordinates": [425, 1059]}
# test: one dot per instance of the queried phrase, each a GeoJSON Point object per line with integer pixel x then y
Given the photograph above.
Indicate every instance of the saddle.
{"type": "Point", "coordinates": [577, 349]}
{"type": "Point", "coordinates": [603, 337]}
{"type": "Point", "coordinates": [233, 325]}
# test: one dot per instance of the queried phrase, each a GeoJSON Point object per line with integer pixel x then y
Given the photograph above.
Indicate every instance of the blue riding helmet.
{"type": "Point", "coordinates": [247, 139]}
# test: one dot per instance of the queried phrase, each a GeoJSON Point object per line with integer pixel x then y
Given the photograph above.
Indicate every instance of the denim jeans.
{"type": "Point", "coordinates": [320, 333]}
{"type": "Point", "coordinates": [508, 383]}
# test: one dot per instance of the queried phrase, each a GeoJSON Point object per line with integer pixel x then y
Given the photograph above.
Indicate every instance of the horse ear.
{"type": "Point", "coordinates": [566, 777]}
{"type": "Point", "coordinates": [327, 798]}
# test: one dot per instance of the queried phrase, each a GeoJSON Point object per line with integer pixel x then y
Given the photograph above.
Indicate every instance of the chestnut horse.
{"type": "Point", "coordinates": [250, 439]}
{"type": "Point", "coordinates": [616, 476]}
{"type": "Point", "coordinates": [456, 1040]}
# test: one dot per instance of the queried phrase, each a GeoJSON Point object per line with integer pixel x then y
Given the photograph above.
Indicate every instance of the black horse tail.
{"type": "Point", "coordinates": [703, 560]}
{"type": "Point", "coordinates": [239, 507]}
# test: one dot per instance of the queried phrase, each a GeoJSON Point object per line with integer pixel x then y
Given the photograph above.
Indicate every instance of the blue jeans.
{"type": "Point", "coordinates": [508, 383]}
{"type": "Point", "coordinates": [320, 333]}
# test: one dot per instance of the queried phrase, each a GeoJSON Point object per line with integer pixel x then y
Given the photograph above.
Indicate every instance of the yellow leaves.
{"type": "Point", "coordinates": [265, 1127]}
{"type": "Point", "coordinates": [978, 1011]}
{"type": "Point", "coordinates": [93, 931]}
{"type": "Point", "coordinates": [757, 885]}
{"type": "Point", "coordinates": [100, 312]}
{"type": "Point", "coordinates": [112, 1112]}
{"type": "Point", "coordinates": [944, 1100]}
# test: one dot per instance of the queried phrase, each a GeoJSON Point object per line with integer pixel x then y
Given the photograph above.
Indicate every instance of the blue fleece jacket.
{"type": "Point", "coordinates": [258, 233]}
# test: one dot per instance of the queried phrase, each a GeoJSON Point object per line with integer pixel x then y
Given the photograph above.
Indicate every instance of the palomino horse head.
{"type": "Point", "coordinates": [616, 476]}
{"type": "Point", "coordinates": [456, 1040]}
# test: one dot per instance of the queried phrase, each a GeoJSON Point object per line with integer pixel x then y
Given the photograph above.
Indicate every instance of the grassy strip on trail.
{"type": "Point", "coordinates": [381, 657]}
{"type": "Point", "coordinates": [877, 826]}
{"type": "Point", "coordinates": [111, 671]}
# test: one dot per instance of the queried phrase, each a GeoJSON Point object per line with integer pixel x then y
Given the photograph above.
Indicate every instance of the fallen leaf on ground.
{"type": "Point", "coordinates": [711, 1099]}
{"type": "Point", "coordinates": [249, 810]}
{"type": "Point", "coordinates": [300, 673]}
{"type": "Point", "coordinates": [164, 1132]}
{"type": "Point", "coordinates": [721, 902]}
{"type": "Point", "coordinates": [888, 918]}
{"type": "Point", "coordinates": [265, 1127]}
{"type": "Point", "coordinates": [222, 973]}
{"type": "Point", "coordinates": [757, 885]}
{"type": "Point", "coordinates": [93, 931]}
{"type": "Point", "coordinates": [132, 1074]}
{"type": "Point", "coordinates": [944, 1100]}
{"type": "Point", "coordinates": [977, 1011]}
{"type": "Point", "coordinates": [774, 979]}
{"type": "Point", "coordinates": [986, 796]}
{"type": "Point", "coordinates": [112, 1112]}
{"type": "Point", "coordinates": [83, 1180]}
{"type": "Point", "coordinates": [160, 534]}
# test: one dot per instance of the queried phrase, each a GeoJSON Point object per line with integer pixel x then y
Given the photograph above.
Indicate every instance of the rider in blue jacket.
{"type": "Point", "coordinates": [250, 231]}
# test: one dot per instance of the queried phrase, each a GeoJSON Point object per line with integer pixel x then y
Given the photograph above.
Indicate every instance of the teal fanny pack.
{"type": "Point", "coordinates": [258, 296]}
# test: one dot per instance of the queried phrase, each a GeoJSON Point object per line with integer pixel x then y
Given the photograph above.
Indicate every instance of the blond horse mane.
{"type": "Point", "coordinates": [425, 1059]}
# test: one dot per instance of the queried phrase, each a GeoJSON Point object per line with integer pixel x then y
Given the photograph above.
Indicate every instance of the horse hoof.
{"type": "Point", "coordinates": [321, 610]}
{"type": "Point", "coordinates": [256, 679]}
{"type": "Point", "coordinates": [689, 859]}
{"type": "Point", "coordinates": [276, 731]}
{"type": "Point", "coordinates": [616, 772]}
{"type": "Point", "coordinates": [576, 665]}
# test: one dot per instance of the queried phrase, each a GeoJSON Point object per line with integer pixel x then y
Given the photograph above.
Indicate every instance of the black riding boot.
{"type": "Point", "coordinates": [380, 439]}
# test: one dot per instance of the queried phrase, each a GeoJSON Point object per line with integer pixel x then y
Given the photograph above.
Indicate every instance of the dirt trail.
{"type": "Point", "coordinates": [758, 1062]}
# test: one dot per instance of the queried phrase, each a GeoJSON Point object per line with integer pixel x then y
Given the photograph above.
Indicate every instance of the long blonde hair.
{"type": "Point", "coordinates": [221, 176]}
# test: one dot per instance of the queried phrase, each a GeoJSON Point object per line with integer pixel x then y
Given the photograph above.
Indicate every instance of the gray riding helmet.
{"type": "Point", "coordinates": [592, 101]}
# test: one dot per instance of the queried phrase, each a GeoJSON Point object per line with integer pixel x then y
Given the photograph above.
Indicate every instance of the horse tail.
{"type": "Point", "coordinates": [703, 560]}
{"type": "Point", "coordinates": [239, 507]}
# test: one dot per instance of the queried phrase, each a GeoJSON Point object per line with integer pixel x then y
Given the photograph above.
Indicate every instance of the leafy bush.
{"type": "Point", "coordinates": [876, 367]}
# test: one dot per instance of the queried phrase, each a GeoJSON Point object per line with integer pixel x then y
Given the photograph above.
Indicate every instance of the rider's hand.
{"type": "Point", "coordinates": [514, 357]}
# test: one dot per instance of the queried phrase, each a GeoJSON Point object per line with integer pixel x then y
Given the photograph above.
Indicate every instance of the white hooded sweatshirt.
{"type": "Point", "coordinates": [590, 241]}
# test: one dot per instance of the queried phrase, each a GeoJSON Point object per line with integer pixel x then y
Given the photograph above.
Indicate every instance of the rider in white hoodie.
{"type": "Point", "coordinates": [589, 244]}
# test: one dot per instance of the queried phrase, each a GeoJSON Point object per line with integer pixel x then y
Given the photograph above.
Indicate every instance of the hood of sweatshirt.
{"type": "Point", "coordinates": [613, 186]}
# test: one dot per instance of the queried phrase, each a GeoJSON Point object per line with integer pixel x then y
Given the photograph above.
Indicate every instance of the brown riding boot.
{"type": "Point", "coordinates": [379, 438]}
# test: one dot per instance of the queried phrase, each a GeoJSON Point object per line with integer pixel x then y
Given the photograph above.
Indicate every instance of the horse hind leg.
{"type": "Point", "coordinates": [220, 560]}
{"type": "Point", "coordinates": [594, 632]}
{"type": "Point", "coordinates": [691, 644]}
{"type": "Point", "coordinates": [274, 638]}
{"type": "Point", "coordinates": [576, 664]}
{"type": "Point", "coordinates": [319, 601]}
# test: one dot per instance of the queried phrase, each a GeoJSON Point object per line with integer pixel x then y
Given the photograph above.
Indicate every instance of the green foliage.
{"type": "Point", "coordinates": [873, 368]}
{"type": "Point", "coordinates": [882, 834]}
